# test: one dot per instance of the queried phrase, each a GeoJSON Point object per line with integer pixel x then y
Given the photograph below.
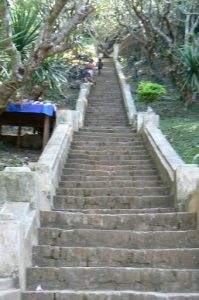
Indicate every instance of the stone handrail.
{"type": "Point", "coordinates": [125, 88]}
{"type": "Point", "coordinates": [27, 190]}
{"type": "Point", "coordinates": [182, 178]}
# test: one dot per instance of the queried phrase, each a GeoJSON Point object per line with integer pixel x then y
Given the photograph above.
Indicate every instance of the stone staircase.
{"type": "Point", "coordinates": [113, 233]}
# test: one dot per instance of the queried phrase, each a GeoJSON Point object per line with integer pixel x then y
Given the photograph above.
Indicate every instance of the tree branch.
{"type": "Point", "coordinates": [10, 47]}
{"type": "Point", "coordinates": [79, 17]}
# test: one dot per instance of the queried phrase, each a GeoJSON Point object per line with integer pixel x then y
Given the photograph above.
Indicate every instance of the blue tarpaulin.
{"type": "Point", "coordinates": [47, 109]}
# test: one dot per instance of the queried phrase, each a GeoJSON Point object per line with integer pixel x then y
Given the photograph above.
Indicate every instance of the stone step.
{"type": "Point", "coordinates": [108, 143]}
{"type": "Point", "coordinates": [97, 118]}
{"type": "Point", "coordinates": [128, 191]}
{"type": "Point", "coordinates": [107, 184]}
{"type": "Point", "coordinates": [111, 113]}
{"type": "Point", "coordinates": [109, 171]}
{"type": "Point", "coordinates": [108, 202]}
{"type": "Point", "coordinates": [108, 95]}
{"type": "Point", "coordinates": [110, 121]}
{"type": "Point", "coordinates": [134, 166]}
{"type": "Point", "coordinates": [99, 110]}
{"type": "Point", "coordinates": [119, 238]}
{"type": "Point", "coordinates": [108, 129]}
{"type": "Point", "coordinates": [110, 153]}
{"type": "Point", "coordinates": [109, 148]}
{"type": "Point", "coordinates": [105, 122]}
{"type": "Point", "coordinates": [138, 222]}
{"type": "Point", "coordinates": [52, 256]}
{"type": "Point", "coordinates": [105, 278]}
{"type": "Point", "coordinates": [143, 163]}
{"type": "Point", "coordinates": [107, 295]}
{"type": "Point", "coordinates": [106, 138]}
{"type": "Point", "coordinates": [122, 211]}
{"type": "Point", "coordinates": [106, 134]}
{"type": "Point", "coordinates": [108, 157]}
{"type": "Point", "coordinates": [83, 178]}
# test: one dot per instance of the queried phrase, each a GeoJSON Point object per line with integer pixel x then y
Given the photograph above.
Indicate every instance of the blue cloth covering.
{"type": "Point", "coordinates": [47, 109]}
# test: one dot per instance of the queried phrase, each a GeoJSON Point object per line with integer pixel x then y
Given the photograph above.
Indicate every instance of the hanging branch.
{"type": "Point", "coordinates": [49, 43]}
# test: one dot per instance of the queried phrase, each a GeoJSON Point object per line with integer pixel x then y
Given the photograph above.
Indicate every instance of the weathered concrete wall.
{"type": "Point", "coordinates": [70, 117]}
{"type": "Point", "coordinates": [19, 185]}
{"type": "Point", "coordinates": [18, 232]}
{"type": "Point", "coordinates": [25, 191]}
{"type": "Point", "coordinates": [50, 163]}
{"type": "Point", "coordinates": [165, 157]}
{"type": "Point", "coordinates": [187, 188]}
{"type": "Point", "coordinates": [82, 103]}
{"type": "Point", "coordinates": [125, 88]}
{"type": "Point", "coordinates": [183, 179]}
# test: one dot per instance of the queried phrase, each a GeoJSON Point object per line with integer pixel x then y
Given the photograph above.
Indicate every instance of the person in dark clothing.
{"type": "Point", "coordinates": [86, 77]}
{"type": "Point", "coordinates": [100, 66]}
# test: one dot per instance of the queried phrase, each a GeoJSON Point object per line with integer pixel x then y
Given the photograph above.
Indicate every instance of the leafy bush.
{"type": "Point", "coordinates": [149, 91]}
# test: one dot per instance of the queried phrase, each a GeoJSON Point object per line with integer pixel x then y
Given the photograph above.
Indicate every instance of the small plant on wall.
{"type": "Point", "coordinates": [149, 92]}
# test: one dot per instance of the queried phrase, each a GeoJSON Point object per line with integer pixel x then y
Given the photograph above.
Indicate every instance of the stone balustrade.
{"type": "Point", "coordinates": [25, 191]}
{"type": "Point", "coordinates": [182, 178]}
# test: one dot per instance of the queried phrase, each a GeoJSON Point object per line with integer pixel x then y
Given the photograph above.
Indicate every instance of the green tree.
{"type": "Point", "coordinates": [58, 20]}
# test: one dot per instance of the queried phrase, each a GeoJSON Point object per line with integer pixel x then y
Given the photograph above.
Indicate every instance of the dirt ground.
{"type": "Point", "coordinates": [11, 156]}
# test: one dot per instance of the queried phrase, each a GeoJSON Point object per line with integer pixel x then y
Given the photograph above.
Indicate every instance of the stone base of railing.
{"type": "Point", "coordinates": [25, 191]}
{"type": "Point", "coordinates": [182, 178]}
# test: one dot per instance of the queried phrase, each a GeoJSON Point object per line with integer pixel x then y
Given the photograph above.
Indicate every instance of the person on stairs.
{"type": "Point", "coordinates": [86, 77]}
{"type": "Point", "coordinates": [100, 66]}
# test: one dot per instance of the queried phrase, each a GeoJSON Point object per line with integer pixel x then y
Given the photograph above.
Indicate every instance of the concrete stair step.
{"type": "Point", "coordinates": [108, 148]}
{"type": "Point", "coordinates": [105, 278]}
{"type": "Point", "coordinates": [107, 134]}
{"type": "Point", "coordinates": [108, 143]}
{"type": "Point", "coordinates": [83, 178]}
{"type": "Point", "coordinates": [122, 211]}
{"type": "Point", "coordinates": [112, 95]}
{"type": "Point", "coordinates": [138, 222]}
{"type": "Point", "coordinates": [143, 163]}
{"type": "Point", "coordinates": [119, 238]}
{"type": "Point", "coordinates": [108, 202]}
{"type": "Point", "coordinates": [109, 171]}
{"type": "Point", "coordinates": [100, 117]}
{"type": "Point", "coordinates": [128, 191]}
{"type": "Point", "coordinates": [108, 157]}
{"type": "Point", "coordinates": [52, 256]}
{"type": "Point", "coordinates": [100, 111]}
{"type": "Point", "coordinates": [107, 184]}
{"type": "Point", "coordinates": [110, 153]}
{"type": "Point", "coordinates": [111, 121]}
{"type": "Point", "coordinates": [108, 129]}
{"type": "Point", "coordinates": [107, 295]}
{"type": "Point", "coordinates": [115, 116]}
{"type": "Point", "coordinates": [107, 138]}
{"type": "Point", "coordinates": [135, 166]}
{"type": "Point", "coordinates": [105, 122]}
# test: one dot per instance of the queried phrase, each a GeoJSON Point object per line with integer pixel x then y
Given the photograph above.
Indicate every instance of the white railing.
{"type": "Point", "coordinates": [26, 191]}
{"type": "Point", "coordinates": [125, 88]}
{"type": "Point", "coordinates": [182, 178]}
